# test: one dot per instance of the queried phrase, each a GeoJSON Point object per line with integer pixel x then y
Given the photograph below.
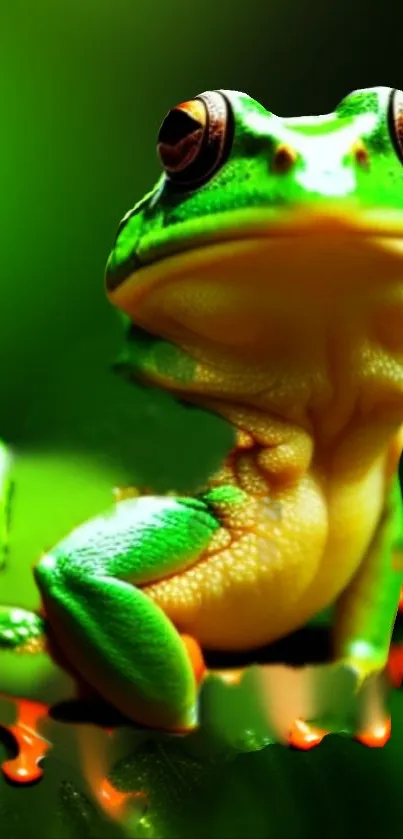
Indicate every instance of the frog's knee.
{"type": "Point", "coordinates": [45, 575]}
{"type": "Point", "coordinates": [45, 570]}
{"type": "Point", "coordinates": [53, 573]}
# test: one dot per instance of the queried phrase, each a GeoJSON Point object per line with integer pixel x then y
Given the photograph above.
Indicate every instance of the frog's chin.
{"type": "Point", "coordinates": [169, 249]}
{"type": "Point", "coordinates": [224, 285]}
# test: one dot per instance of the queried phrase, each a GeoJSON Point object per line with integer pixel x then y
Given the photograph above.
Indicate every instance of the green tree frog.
{"type": "Point", "coordinates": [261, 278]}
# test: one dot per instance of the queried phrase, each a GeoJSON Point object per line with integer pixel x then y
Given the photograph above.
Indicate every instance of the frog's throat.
{"type": "Point", "coordinates": [303, 323]}
{"type": "Point", "coordinates": [254, 296]}
{"type": "Point", "coordinates": [189, 246]}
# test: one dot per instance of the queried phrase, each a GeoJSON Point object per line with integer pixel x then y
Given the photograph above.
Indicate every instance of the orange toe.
{"type": "Point", "coordinates": [114, 802]}
{"type": "Point", "coordinates": [376, 736]}
{"type": "Point", "coordinates": [32, 747]}
{"type": "Point", "coordinates": [304, 735]}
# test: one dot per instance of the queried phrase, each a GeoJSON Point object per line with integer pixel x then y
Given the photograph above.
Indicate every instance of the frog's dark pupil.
{"type": "Point", "coordinates": [177, 125]}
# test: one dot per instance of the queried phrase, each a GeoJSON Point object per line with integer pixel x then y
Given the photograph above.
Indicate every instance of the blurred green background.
{"type": "Point", "coordinates": [84, 85]}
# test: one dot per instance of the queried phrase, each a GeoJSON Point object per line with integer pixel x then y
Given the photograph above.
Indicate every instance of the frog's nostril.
{"type": "Point", "coordinates": [360, 154]}
{"type": "Point", "coordinates": [284, 158]}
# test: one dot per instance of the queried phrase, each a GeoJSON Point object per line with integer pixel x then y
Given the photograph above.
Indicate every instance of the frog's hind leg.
{"type": "Point", "coordinates": [107, 627]}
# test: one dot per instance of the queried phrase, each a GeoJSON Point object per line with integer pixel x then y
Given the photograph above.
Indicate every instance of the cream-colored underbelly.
{"type": "Point", "coordinates": [305, 545]}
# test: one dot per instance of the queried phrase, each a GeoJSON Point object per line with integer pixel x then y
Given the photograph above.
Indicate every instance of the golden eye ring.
{"type": "Point", "coordinates": [195, 138]}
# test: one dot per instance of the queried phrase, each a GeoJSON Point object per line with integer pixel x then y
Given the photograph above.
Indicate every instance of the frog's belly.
{"type": "Point", "coordinates": [273, 578]}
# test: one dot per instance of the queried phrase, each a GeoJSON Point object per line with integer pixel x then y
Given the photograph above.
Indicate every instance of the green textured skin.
{"type": "Point", "coordinates": [168, 221]}
{"type": "Point", "coordinates": [114, 635]}
{"type": "Point", "coordinates": [18, 627]}
{"type": "Point", "coordinates": [324, 170]}
{"type": "Point", "coordinates": [91, 582]}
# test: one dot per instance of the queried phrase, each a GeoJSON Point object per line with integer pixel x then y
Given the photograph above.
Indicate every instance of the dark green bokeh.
{"type": "Point", "coordinates": [83, 87]}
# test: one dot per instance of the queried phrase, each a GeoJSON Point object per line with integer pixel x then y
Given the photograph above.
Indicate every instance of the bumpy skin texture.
{"type": "Point", "coordinates": [104, 564]}
{"type": "Point", "coordinates": [269, 289]}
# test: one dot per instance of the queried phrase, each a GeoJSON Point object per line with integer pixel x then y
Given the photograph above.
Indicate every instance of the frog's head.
{"type": "Point", "coordinates": [254, 214]}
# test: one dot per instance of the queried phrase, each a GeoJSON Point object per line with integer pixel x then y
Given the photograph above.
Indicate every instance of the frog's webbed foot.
{"type": "Point", "coordinates": [347, 698]}
{"type": "Point", "coordinates": [31, 746]}
{"type": "Point", "coordinates": [115, 803]}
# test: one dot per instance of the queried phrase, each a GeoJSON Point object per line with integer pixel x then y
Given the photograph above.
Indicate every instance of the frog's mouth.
{"type": "Point", "coordinates": [210, 277]}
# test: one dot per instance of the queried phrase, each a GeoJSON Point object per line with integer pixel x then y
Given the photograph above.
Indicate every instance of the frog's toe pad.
{"type": "Point", "coordinates": [304, 735]}
{"type": "Point", "coordinates": [376, 735]}
{"type": "Point", "coordinates": [115, 803]}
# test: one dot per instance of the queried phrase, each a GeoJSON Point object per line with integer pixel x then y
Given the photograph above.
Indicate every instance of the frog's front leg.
{"type": "Point", "coordinates": [366, 611]}
{"type": "Point", "coordinates": [364, 620]}
{"type": "Point", "coordinates": [109, 630]}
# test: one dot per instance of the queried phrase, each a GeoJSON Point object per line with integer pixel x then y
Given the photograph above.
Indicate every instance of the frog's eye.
{"type": "Point", "coordinates": [396, 121]}
{"type": "Point", "coordinates": [194, 139]}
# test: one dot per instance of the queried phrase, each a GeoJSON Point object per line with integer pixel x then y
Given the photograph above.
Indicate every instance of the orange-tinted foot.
{"type": "Point", "coordinates": [96, 765]}
{"type": "Point", "coordinates": [196, 656]}
{"type": "Point", "coordinates": [32, 747]}
{"type": "Point", "coordinates": [394, 667]}
{"type": "Point", "coordinates": [376, 736]}
{"type": "Point", "coordinates": [305, 735]}
{"type": "Point", "coordinates": [114, 802]}
{"type": "Point", "coordinates": [400, 607]}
